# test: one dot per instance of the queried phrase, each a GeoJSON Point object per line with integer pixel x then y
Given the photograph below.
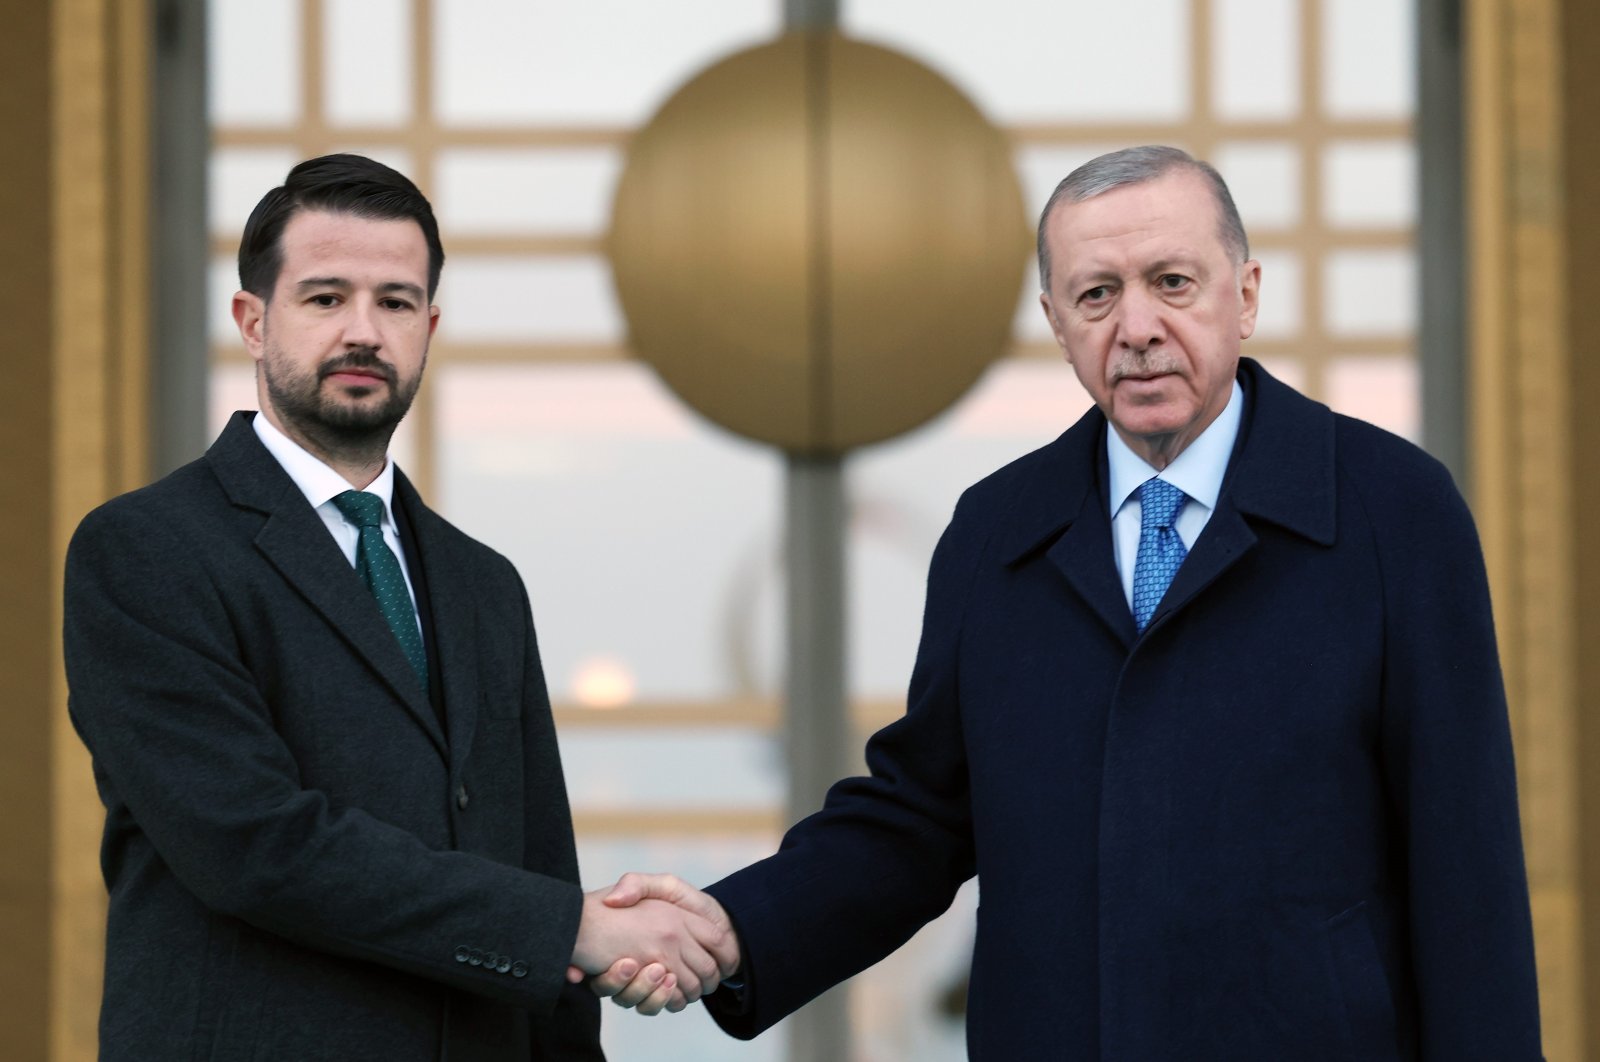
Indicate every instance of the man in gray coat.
{"type": "Point", "coordinates": [336, 826]}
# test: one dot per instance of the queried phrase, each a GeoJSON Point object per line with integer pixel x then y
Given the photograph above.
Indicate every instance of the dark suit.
{"type": "Point", "coordinates": [1279, 824]}
{"type": "Point", "coordinates": [303, 862]}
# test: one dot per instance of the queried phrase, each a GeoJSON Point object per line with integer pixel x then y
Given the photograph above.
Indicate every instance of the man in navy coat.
{"type": "Point", "coordinates": [1207, 697]}
{"type": "Point", "coordinates": [336, 826]}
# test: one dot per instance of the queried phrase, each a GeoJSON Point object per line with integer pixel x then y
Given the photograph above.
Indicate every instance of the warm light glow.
{"type": "Point", "coordinates": [602, 682]}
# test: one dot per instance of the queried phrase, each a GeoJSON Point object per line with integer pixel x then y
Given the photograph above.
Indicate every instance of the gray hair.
{"type": "Point", "coordinates": [1137, 165]}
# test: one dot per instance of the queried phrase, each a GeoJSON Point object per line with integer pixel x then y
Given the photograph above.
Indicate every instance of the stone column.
{"type": "Point", "coordinates": [73, 296]}
{"type": "Point", "coordinates": [1533, 90]}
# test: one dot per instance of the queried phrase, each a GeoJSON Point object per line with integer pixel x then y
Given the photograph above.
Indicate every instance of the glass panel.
{"type": "Point", "coordinates": [367, 61]}
{"type": "Point", "coordinates": [903, 491]}
{"type": "Point", "coordinates": [645, 534]}
{"type": "Point", "coordinates": [253, 62]}
{"type": "Point", "coordinates": [1372, 292]}
{"type": "Point", "coordinates": [565, 190]}
{"type": "Point", "coordinates": [1370, 183]}
{"type": "Point", "coordinates": [1031, 62]}
{"type": "Point", "coordinates": [613, 768]}
{"type": "Point", "coordinates": [1255, 59]}
{"type": "Point", "coordinates": [1369, 49]}
{"type": "Point", "coordinates": [1387, 391]}
{"type": "Point", "coordinates": [700, 860]}
{"type": "Point", "coordinates": [1282, 294]}
{"type": "Point", "coordinates": [239, 178]}
{"type": "Point", "coordinates": [1264, 177]}
{"type": "Point", "coordinates": [566, 298]}
{"type": "Point", "coordinates": [601, 62]}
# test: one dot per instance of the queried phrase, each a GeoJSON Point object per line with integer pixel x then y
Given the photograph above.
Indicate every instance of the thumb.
{"type": "Point", "coordinates": [633, 887]}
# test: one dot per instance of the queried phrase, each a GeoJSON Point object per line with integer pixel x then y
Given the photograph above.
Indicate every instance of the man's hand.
{"type": "Point", "coordinates": [650, 983]}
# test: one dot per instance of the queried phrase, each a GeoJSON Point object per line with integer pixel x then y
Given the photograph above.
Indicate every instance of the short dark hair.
{"type": "Point", "coordinates": [338, 184]}
{"type": "Point", "coordinates": [1136, 165]}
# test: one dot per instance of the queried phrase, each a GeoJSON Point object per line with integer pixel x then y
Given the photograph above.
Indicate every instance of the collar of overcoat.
{"type": "Point", "coordinates": [1281, 472]}
{"type": "Point", "coordinates": [294, 540]}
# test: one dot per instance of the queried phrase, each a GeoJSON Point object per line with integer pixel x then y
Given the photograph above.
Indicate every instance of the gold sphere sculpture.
{"type": "Point", "coordinates": [818, 243]}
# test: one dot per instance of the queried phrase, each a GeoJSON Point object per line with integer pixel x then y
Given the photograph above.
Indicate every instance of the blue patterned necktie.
{"type": "Point", "coordinates": [379, 568]}
{"type": "Point", "coordinates": [1160, 549]}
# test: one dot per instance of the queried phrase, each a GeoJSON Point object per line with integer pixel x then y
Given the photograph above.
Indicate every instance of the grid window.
{"type": "Point", "coordinates": [650, 539]}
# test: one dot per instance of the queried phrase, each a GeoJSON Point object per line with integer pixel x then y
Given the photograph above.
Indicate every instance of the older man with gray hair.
{"type": "Point", "coordinates": [1207, 697]}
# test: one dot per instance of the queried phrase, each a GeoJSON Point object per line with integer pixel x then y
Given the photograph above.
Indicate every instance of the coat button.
{"type": "Point", "coordinates": [475, 957]}
{"type": "Point", "coordinates": [463, 953]}
{"type": "Point", "coordinates": [519, 969]}
{"type": "Point", "coordinates": [461, 797]}
{"type": "Point", "coordinates": [503, 966]}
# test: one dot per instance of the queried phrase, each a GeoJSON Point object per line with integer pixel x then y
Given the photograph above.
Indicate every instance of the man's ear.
{"type": "Point", "coordinates": [250, 315]}
{"type": "Point", "coordinates": [1249, 297]}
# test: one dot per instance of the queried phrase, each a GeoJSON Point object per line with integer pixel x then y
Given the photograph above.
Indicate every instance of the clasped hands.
{"type": "Point", "coordinates": [653, 942]}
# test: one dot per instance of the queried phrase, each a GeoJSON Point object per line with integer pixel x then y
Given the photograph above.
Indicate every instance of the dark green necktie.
{"type": "Point", "coordinates": [377, 565]}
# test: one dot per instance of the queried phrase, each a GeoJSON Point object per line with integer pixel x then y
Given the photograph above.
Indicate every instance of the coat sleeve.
{"type": "Point", "coordinates": [184, 745]}
{"type": "Point", "coordinates": [886, 853]}
{"type": "Point", "coordinates": [1447, 762]}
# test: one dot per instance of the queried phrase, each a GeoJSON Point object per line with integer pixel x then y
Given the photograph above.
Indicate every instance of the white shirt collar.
{"type": "Point", "coordinates": [318, 482]}
{"type": "Point", "coordinates": [1198, 471]}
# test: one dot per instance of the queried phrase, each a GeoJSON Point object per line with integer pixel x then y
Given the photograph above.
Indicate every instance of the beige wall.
{"type": "Point", "coordinates": [26, 642]}
{"type": "Point", "coordinates": [1533, 91]}
{"type": "Point", "coordinates": [72, 429]}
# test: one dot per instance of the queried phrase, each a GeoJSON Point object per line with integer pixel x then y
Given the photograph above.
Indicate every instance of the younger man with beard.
{"type": "Point", "coordinates": [336, 824]}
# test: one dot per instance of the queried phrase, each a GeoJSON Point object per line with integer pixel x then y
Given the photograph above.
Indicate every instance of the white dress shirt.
{"type": "Point", "coordinates": [1198, 472]}
{"type": "Point", "coordinates": [320, 484]}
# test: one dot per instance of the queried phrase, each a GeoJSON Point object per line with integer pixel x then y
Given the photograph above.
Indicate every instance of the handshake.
{"type": "Point", "coordinates": [653, 942]}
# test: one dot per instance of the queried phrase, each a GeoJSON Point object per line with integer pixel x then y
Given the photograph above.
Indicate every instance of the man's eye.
{"type": "Point", "coordinates": [395, 304]}
{"type": "Point", "coordinates": [1173, 281]}
{"type": "Point", "coordinates": [1095, 294]}
{"type": "Point", "coordinates": [325, 300]}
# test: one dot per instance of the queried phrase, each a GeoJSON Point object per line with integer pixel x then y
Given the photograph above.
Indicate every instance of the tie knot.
{"type": "Point", "coordinates": [1159, 502]}
{"type": "Point", "coordinates": [360, 508]}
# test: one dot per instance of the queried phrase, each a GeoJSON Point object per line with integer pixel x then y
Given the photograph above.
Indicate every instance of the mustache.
{"type": "Point", "coordinates": [1143, 363]}
{"type": "Point", "coordinates": [363, 358]}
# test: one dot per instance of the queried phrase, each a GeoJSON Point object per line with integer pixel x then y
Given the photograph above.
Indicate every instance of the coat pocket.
{"type": "Point", "coordinates": [1364, 984]}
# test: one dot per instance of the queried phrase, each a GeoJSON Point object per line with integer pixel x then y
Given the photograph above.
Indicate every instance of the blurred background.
{"type": "Point", "coordinates": [1404, 167]}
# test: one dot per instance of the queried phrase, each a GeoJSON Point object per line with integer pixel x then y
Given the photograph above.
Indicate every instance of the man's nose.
{"type": "Point", "coordinates": [1141, 321]}
{"type": "Point", "coordinates": [361, 324]}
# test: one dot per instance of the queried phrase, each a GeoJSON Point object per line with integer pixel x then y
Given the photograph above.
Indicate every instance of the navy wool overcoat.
{"type": "Point", "coordinates": [1279, 824]}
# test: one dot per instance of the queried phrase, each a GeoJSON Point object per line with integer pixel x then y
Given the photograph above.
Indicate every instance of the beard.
{"type": "Point", "coordinates": [342, 419]}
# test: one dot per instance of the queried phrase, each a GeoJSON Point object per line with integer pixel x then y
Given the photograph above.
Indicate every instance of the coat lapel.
{"type": "Point", "coordinates": [1281, 471]}
{"type": "Point", "coordinates": [295, 541]}
{"type": "Point", "coordinates": [1060, 509]}
{"type": "Point", "coordinates": [454, 618]}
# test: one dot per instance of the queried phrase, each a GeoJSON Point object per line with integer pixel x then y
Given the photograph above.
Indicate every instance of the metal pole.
{"type": "Point", "coordinates": [1441, 236]}
{"type": "Point", "coordinates": [816, 716]}
{"type": "Point", "coordinates": [810, 14]}
{"type": "Point", "coordinates": [180, 142]}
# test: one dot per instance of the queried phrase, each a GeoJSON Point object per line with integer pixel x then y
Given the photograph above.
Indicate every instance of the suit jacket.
{"type": "Point", "coordinates": [303, 861]}
{"type": "Point", "coordinates": [1279, 824]}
